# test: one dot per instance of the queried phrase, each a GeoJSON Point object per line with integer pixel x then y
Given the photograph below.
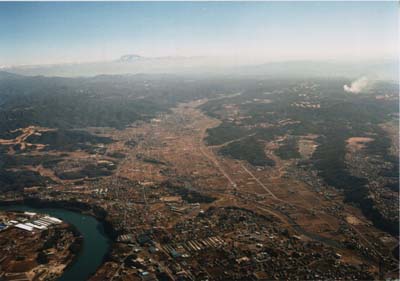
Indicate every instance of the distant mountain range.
{"type": "Point", "coordinates": [384, 70]}
{"type": "Point", "coordinates": [129, 58]}
{"type": "Point", "coordinates": [7, 75]}
{"type": "Point", "coordinates": [133, 64]}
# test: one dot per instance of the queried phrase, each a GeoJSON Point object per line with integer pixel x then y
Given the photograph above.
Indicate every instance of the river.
{"type": "Point", "coordinates": [96, 243]}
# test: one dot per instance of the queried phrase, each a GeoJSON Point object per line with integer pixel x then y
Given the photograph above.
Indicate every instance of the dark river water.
{"type": "Point", "coordinates": [95, 242]}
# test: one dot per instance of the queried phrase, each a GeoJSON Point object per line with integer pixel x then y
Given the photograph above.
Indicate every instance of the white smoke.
{"type": "Point", "coordinates": [358, 85]}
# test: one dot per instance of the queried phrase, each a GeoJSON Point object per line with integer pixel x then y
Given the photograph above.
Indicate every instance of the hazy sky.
{"type": "Point", "coordinates": [33, 33]}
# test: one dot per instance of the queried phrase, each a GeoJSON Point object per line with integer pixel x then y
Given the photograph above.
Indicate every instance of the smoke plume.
{"type": "Point", "coordinates": [358, 85]}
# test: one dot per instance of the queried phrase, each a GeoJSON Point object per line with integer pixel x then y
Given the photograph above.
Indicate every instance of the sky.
{"type": "Point", "coordinates": [58, 32]}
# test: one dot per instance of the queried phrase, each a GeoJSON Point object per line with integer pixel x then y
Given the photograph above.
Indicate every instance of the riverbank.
{"type": "Point", "coordinates": [90, 221]}
{"type": "Point", "coordinates": [35, 246]}
{"type": "Point", "coordinates": [75, 206]}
